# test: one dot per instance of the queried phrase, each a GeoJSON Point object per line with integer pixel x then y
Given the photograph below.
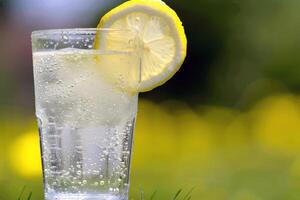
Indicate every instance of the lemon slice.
{"type": "Point", "coordinates": [156, 34]}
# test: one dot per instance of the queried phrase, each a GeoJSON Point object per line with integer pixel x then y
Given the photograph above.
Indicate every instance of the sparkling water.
{"type": "Point", "coordinates": [86, 114]}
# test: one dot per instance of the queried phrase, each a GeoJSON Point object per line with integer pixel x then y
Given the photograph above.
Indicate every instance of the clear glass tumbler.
{"type": "Point", "coordinates": [86, 109]}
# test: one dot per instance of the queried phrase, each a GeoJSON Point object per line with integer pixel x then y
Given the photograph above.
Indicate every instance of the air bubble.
{"type": "Point", "coordinates": [95, 172]}
{"type": "Point", "coordinates": [101, 182]}
{"type": "Point", "coordinates": [105, 152]}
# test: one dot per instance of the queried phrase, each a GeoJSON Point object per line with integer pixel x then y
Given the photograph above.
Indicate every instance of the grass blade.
{"type": "Point", "coordinates": [142, 195]}
{"type": "Point", "coordinates": [29, 196]}
{"type": "Point", "coordinates": [177, 194]}
{"type": "Point", "coordinates": [153, 195]}
{"type": "Point", "coordinates": [189, 198]}
{"type": "Point", "coordinates": [22, 191]}
{"type": "Point", "coordinates": [188, 194]}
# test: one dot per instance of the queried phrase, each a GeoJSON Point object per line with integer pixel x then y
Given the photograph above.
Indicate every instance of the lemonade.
{"type": "Point", "coordinates": [86, 92]}
{"type": "Point", "coordinates": [86, 124]}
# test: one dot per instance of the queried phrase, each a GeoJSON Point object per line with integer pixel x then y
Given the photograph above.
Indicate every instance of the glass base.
{"type": "Point", "coordinates": [77, 196]}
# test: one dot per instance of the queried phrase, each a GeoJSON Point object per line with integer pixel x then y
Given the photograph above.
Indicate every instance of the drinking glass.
{"type": "Point", "coordinates": [86, 108]}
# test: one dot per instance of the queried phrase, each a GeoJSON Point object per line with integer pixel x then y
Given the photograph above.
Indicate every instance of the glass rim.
{"type": "Point", "coordinates": [44, 32]}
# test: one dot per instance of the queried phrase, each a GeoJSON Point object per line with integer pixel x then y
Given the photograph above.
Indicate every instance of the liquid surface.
{"type": "Point", "coordinates": [86, 119]}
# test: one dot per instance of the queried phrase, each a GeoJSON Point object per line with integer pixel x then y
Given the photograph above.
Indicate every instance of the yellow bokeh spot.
{"type": "Point", "coordinates": [1, 162]}
{"type": "Point", "coordinates": [277, 124]}
{"type": "Point", "coordinates": [196, 134]}
{"type": "Point", "coordinates": [154, 134]}
{"type": "Point", "coordinates": [24, 155]}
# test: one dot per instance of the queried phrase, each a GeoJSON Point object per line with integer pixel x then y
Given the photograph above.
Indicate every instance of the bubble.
{"type": "Point", "coordinates": [101, 182]}
{"type": "Point", "coordinates": [59, 82]}
{"type": "Point", "coordinates": [84, 182]}
{"type": "Point", "coordinates": [111, 189]}
{"type": "Point", "coordinates": [66, 173]}
{"type": "Point", "coordinates": [105, 152]}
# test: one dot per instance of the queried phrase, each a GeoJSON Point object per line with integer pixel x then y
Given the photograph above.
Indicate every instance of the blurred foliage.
{"type": "Point", "coordinates": [239, 51]}
{"type": "Point", "coordinates": [223, 153]}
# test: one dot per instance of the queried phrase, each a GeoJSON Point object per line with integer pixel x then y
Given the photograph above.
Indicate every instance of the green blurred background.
{"type": "Point", "coordinates": [228, 123]}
